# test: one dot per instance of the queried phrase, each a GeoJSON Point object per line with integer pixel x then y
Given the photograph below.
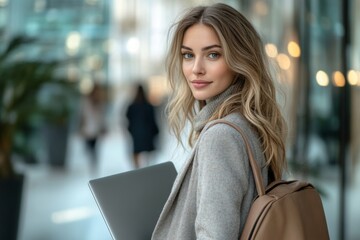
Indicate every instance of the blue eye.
{"type": "Point", "coordinates": [187, 55]}
{"type": "Point", "coordinates": [214, 55]}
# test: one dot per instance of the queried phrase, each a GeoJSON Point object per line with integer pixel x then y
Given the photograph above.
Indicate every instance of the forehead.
{"type": "Point", "coordinates": [200, 34]}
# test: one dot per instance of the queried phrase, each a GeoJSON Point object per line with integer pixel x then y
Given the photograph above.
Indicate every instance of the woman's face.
{"type": "Point", "coordinates": [203, 62]}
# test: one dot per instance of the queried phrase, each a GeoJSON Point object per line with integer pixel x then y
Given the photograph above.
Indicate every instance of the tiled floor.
{"type": "Point", "coordinates": [58, 204]}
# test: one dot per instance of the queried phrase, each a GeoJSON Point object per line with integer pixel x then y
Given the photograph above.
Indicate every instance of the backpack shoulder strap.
{"type": "Point", "coordinates": [254, 166]}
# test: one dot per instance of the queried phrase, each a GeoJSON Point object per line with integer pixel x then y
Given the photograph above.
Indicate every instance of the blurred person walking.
{"type": "Point", "coordinates": [142, 126]}
{"type": "Point", "coordinates": [92, 121]}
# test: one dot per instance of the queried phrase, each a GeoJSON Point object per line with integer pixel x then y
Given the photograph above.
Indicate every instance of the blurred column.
{"type": "Point", "coordinates": [303, 86]}
{"type": "Point", "coordinates": [344, 117]}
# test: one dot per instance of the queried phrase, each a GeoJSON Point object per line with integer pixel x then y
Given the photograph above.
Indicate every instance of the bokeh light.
{"type": "Point", "coordinates": [294, 49]}
{"type": "Point", "coordinates": [271, 50]}
{"type": "Point", "coordinates": [322, 78]}
{"type": "Point", "coordinates": [283, 61]}
{"type": "Point", "coordinates": [338, 79]}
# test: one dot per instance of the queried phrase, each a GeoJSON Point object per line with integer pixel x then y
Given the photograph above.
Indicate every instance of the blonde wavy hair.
{"type": "Point", "coordinates": [255, 95]}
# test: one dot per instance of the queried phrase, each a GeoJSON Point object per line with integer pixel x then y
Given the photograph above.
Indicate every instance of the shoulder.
{"type": "Point", "coordinates": [213, 129]}
{"type": "Point", "coordinates": [222, 147]}
{"type": "Point", "coordinates": [221, 134]}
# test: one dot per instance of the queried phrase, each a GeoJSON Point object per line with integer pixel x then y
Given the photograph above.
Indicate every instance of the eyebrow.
{"type": "Point", "coordinates": [204, 48]}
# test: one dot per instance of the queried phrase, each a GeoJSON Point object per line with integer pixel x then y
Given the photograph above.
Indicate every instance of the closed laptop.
{"type": "Point", "coordinates": [131, 202]}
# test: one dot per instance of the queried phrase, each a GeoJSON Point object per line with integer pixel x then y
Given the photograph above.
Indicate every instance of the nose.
{"type": "Point", "coordinates": [198, 67]}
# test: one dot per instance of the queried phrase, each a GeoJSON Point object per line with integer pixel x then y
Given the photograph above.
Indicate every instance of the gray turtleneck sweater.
{"type": "Point", "coordinates": [213, 192]}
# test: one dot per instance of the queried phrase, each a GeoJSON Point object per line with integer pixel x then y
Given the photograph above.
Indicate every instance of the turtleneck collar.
{"type": "Point", "coordinates": [208, 110]}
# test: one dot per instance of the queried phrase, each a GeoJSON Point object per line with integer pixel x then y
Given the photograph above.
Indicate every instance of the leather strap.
{"type": "Point", "coordinates": [254, 166]}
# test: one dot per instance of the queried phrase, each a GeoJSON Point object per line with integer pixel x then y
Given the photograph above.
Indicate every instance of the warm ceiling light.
{"type": "Point", "coordinates": [283, 61]}
{"type": "Point", "coordinates": [339, 79]}
{"type": "Point", "coordinates": [294, 49]}
{"type": "Point", "coordinates": [353, 77]}
{"type": "Point", "coordinates": [322, 78]}
{"type": "Point", "coordinates": [271, 50]}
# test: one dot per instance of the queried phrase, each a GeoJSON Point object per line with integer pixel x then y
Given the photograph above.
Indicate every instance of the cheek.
{"type": "Point", "coordinates": [186, 69]}
{"type": "Point", "coordinates": [226, 75]}
{"type": "Point", "coordinates": [222, 71]}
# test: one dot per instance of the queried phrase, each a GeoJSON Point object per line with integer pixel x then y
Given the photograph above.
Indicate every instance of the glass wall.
{"type": "Point", "coordinates": [322, 91]}
{"type": "Point", "coordinates": [76, 30]}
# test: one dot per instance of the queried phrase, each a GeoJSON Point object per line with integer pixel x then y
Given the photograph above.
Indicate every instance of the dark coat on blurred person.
{"type": "Point", "coordinates": [142, 124]}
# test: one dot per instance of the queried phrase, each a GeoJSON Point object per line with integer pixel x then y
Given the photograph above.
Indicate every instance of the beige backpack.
{"type": "Point", "coordinates": [285, 210]}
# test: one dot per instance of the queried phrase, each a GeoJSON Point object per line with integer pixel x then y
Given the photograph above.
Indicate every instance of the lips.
{"type": "Point", "coordinates": [200, 83]}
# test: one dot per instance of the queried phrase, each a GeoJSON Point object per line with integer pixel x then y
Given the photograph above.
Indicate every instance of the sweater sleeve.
{"type": "Point", "coordinates": [222, 183]}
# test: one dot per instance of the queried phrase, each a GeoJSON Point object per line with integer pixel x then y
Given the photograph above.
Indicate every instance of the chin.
{"type": "Point", "coordinates": [200, 98]}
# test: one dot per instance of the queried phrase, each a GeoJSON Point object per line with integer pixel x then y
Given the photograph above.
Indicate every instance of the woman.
{"type": "Point", "coordinates": [217, 70]}
{"type": "Point", "coordinates": [142, 125]}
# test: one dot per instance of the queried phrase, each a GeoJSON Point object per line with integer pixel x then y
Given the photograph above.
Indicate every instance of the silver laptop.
{"type": "Point", "coordinates": [131, 202]}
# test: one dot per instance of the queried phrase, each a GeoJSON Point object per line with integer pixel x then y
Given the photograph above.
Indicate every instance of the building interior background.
{"type": "Point", "coordinates": [313, 46]}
